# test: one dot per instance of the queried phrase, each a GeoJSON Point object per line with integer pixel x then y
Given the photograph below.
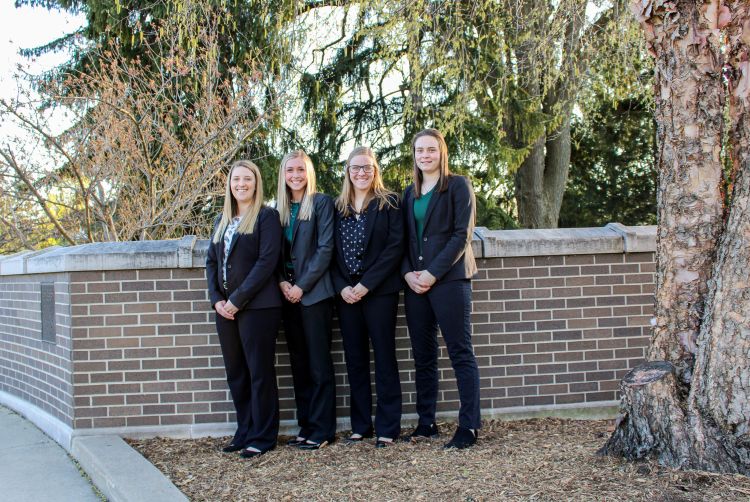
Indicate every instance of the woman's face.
{"type": "Point", "coordinates": [427, 154]}
{"type": "Point", "coordinates": [242, 184]}
{"type": "Point", "coordinates": [295, 174]}
{"type": "Point", "coordinates": [361, 172]}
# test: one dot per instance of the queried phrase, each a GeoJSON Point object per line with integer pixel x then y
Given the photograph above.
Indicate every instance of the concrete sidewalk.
{"type": "Point", "coordinates": [34, 467]}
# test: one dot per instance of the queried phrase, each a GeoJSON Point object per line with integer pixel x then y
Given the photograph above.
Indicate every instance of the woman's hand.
{"type": "Point", "coordinates": [220, 308]}
{"type": "Point", "coordinates": [360, 290]}
{"type": "Point", "coordinates": [426, 279]}
{"type": "Point", "coordinates": [285, 286]}
{"type": "Point", "coordinates": [294, 294]}
{"type": "Point", "coordinates": [230, 308]}
{"type": "Point", "coordinates": [348, 295]}
{"type": "Point", "coordinates": [412, 280]}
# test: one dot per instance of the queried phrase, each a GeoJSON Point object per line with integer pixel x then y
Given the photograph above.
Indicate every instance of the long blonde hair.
{"type": "Point", "coordinates": [247, 223]}
{"type": "Point", "coordinates": [377, 189]}
{"type": "Point", "coordinates": [283, 195]}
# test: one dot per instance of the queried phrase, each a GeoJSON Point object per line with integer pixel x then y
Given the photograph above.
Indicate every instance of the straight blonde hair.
{"type": "Point", "coordinates": [247, 223]}
{"type": "Point", "coordinates": [284, 195]}
{"type": "Point", "coordinates": [442, 184]}
{"type": "Point", "coordinates": [378, 191]}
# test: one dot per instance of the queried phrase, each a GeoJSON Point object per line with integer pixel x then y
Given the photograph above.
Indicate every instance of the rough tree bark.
{"type": "Point", "coordinates": [540, 179]}
{"type": "Point", "coordinates": [692, 410]}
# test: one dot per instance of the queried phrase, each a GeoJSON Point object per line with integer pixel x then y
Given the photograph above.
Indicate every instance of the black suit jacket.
{"type": "Point", "coordinates": [311, 251]}
{"type": "Point", "coordinates": [251, 264]}
{"type": "Point", "coordinates": [448, 230]}
{"type": "Point", "coordinates": [384, 247]}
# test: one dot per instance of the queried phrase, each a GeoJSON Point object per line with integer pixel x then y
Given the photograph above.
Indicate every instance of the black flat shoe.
{"type": "Point", "coordinates": [313, 445]}
{"type": "Point", "coordinates": [232, 447]}
{"type": "Point", "coordinates": [423, 432]}
{"type": "Point", "coordinates": [296, 441]}
{"type": "Point", "coordinates": [463, 438]}
{"type": "Point", "coordinates": [247, 453]}
{"type": "Point", "coordinates": [361, 437]}
{"type": "Point", "coordinates": [382, 443]}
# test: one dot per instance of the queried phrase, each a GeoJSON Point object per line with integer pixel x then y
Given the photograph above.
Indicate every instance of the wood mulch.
{"type": "Point", "coordinates": [544, 459]}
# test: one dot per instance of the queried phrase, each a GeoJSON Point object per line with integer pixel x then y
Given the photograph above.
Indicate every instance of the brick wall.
{"type": "Point", "coordinates": [558, 328]}
{"type": "Point", "coordinates": [36, 371]}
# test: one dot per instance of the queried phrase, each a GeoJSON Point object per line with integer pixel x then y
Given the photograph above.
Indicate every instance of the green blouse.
{"type": "Point", "coordinates": [420, 211]}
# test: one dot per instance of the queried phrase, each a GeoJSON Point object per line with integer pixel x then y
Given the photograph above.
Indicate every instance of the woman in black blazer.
{"type": "Point", "coordinates": [305, 281]}
{"type": "Point", "coordinates": [439, 211]}
{"type": "Point", "coordinates": [369, 247]}
{"type": "Point", "coordinates": [242, 257]}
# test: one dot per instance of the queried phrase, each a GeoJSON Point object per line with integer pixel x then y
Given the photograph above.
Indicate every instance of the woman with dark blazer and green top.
{"type": "Point", "coordinates": [439, 211]}
{"type": "Point", "coordinates": [242, 256]}
{"type": "Point", "coordinates": [369, 245]}
{"type": "Point", "coordinates": [305, 282]}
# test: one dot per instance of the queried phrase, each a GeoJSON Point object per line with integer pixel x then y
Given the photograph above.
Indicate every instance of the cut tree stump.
{"type": "Point", "coordinates": [652, 420]}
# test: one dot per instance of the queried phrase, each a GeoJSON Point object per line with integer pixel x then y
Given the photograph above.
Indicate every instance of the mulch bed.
{"type": "Point", "coordinates": [546, 459]}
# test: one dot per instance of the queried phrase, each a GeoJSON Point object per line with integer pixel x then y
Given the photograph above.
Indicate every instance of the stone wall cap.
{"type": "Point", "coordinates": [107, 256]}
{"type": "Point", "coordinates": [563, 241]}
{"type": "Point", "coordinates": [190, 252]}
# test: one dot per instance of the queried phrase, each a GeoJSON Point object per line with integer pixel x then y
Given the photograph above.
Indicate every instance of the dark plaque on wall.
{"type": "Point", "coordinates": [48, 311]}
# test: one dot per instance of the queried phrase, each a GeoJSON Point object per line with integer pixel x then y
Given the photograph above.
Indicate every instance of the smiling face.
{"type": "Point", "coordinates": [242, 183]}
{"type": "Point", "coordinates": [361, 171]}
{"type": "Point", "coordinates": [427, 154]}
{"type": "Point", "coordinates": [295, 175]}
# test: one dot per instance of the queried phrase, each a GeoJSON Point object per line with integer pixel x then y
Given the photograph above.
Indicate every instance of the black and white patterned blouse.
{"type": "Point", "coordinates": [353, 241]}
{"type": "Point", "coordinates": [228, 234]}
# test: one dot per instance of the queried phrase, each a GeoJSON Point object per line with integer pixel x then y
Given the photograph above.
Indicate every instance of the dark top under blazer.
{"type": "Point", "coordinates": [311, 252]}
{"type": "Point", "coordinates": [448, 230]}
{"type": "Point", "coordinates": [384, 248]}
{"type": "Point", "coordinates": [251, 264]}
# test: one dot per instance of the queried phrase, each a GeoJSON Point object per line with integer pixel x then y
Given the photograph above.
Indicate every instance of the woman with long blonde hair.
{"type": "Point", "coordinates": [369, 245]}
{"type": "Point", "coordinates": [305, 282]}
{"type": "Point", "coordinates": [242, 256]}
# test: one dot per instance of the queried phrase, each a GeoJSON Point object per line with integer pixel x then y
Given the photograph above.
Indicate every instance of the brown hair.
{"type": "Point", "coordinates": [442, 184]}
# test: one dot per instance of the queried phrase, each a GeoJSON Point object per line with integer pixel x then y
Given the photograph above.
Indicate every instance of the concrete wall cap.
{"type": "Point", "coordinates": [185, 251]}
{"type": "Point", "coordinates": [17, 264]}
{"type": "Point", "coordinates": [107, 256]}
{"type": "Point", "coordinates": [636, 239]}
{"type": "Point", "coordinates": [190, 252]}
{"type": "Point", "coordinates": [547, 242]}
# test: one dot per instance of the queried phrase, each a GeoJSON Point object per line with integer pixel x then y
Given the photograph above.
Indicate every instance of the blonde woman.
{"type": "Point", "coordinates": [242, 256]}
{"type": "Point", "coordinates": [369, 244]}
{"type": "Point", "coordinates": [304, 279]}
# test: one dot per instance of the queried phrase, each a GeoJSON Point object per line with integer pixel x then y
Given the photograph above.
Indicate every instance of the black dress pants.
{"type": "Point", "coordinates": [248, 346]}
{"type": "Point", "coordinates": [448, 306]}
{"type": "Point", "coordinates": [308, 338]}
{"type": "Point", "coordinates": [372, 319]}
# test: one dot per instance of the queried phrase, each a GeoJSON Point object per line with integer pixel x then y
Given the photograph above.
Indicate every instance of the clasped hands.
{"type": "Point", "coordinates": [420, 281]}
{"type": "Point", "coordinates": [354, 294]}
{"type": "Point", "coordinates": [226, 309]}
{"type": "Point", "coordinates": [293, 294]}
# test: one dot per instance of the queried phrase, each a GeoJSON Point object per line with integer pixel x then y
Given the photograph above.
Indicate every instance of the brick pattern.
{"type": "Point", "coordinates": [547, 331]}
{"type": "Point", "coordinates": [37, 371]}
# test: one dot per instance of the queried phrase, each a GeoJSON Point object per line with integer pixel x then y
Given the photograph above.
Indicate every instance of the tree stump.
{"type": "Point", "coordinates": [652, 418]}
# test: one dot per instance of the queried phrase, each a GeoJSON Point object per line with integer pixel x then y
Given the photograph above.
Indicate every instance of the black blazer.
{"type": "Point", "coordinates": [384, 248]}
{"type": "Point", "coordinates": [251, 263]}
{"type": "Point", "coordinates": [448, 230]}
{"type": "Point", "coordinates": [311, 252]}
